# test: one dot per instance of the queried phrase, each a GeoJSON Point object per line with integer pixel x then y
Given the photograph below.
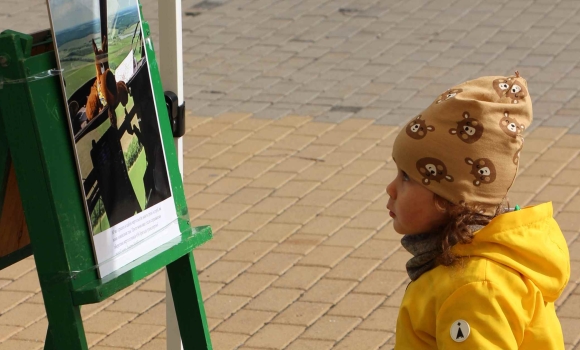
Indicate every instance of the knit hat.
{"type": "Point", "coordinates": [465, 146]}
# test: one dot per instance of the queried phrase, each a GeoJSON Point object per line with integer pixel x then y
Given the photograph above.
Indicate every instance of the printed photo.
{"type": "Point", "coordinates": [112, 113]}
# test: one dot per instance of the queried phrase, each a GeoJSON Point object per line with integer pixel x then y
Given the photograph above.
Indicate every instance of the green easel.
{"type": "Point", "coordinates": [34, 137]}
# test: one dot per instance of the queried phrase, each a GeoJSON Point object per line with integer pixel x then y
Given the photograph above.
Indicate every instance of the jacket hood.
{"type": "Point", "coordinates": [528, 241]}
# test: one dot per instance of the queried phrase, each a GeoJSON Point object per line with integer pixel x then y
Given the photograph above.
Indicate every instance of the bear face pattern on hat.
{"type": "Point", "coordinates": [468, 129]}
{"type": "Point", "coordinates": [417, 128]}
{"type": "Point", "coordinates": [466, 145]}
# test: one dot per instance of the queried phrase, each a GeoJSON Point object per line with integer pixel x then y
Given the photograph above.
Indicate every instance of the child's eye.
{"type": "Point", "coordinates": [405, 176]}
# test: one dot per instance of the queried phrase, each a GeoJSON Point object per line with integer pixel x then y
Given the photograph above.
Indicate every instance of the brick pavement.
{"type": "Point", "coordinates": [293, 106]}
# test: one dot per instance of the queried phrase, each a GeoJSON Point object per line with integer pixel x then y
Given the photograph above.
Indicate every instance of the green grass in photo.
{"type": "Point", "coordinates": [136, 177]}
{"type": "Point", "coordinates": [99, 220]}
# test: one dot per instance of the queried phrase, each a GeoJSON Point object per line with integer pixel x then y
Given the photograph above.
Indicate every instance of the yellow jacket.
{"type": "Point", "coordinates": [501, 297]}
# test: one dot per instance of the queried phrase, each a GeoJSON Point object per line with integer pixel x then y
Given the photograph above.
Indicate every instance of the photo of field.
{"type": "Point", "coordinates": [112, 114]}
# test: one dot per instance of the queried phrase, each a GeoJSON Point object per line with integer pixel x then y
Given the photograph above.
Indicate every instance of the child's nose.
{"type": "Point", "coordinates": [391, 190]}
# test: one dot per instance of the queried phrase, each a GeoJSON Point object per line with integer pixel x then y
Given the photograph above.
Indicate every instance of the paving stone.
{"type": "Point", "coordinates": [310, 344]}
{"type": "Point", "coordinates": [555, 193]}
{"type": "Point", "coordinates": [222, 306]}
{"type": "Point", "coordinates": [369, 219]}
{"type": "Point", "coordinates": [559, 154]}
{"type": "Point", "coordinates": [314, 129]}
{"type": "Point", "coordinates": [155, 344]}
{"type": "Point", "coordinates": [275, 336]}
{"type": "Point", "coordinates": [381, 282]}
{"type": "Point", "coordinates": [397, 261]}
{"type": "Point", "coordinates": [325, 256]}
{"type": "Point", "coordinates": [275, 263]}
{"type": "Point", "coordinates": [568, 140]}
{"type": "Point", "coordinates": [228, 160]}
{"type": "Point", "coordinates": [251, 124]}
{"type": "Point", "coordinates": [293, 165]}
{"type": "Point", "coordinates": [317, 172]}
{"type": "Point", "coordinates": [315, 152]}
{"type": "Point", "coordinates": [272, 180]}
{"type": "Point", "coordinates": [132, 335]}
{"type": "Point", "coordinates": [328, 291]}
{"type": "Point", "coordinates": [567, 178]}
{"type": "Point", "coordinates": [25, 283]}
{"type": "Point", "coordinates": [204, 258]}
{"type": "Point", "coordinates": [91, 309]}
{"type": "Point", "coordinates": [28, 334]}
{"type": "Point", "coordinates": [223, 271]}
{"type": "Point", "coordinates": [249, 251]}
{"type": "Point", "coordinates": [363, 338]}
{"type": "Point", "coordinates": [192, 163]}
{"type": "Point", "coordinates": [208, 289]}
{"type": "Point", "coordinates": [331, 328]}
{"type": "Point", "coordinates": [229, 137]}
{"type": "Point", "coordinates": [250, 222]}
{"type": "Point", "coordinates": [225, 211]}
{"type": "Point", "coordinates": [10, 299]}
{"type": "Point", "coordinates": [300, 277]}
{"type": "Point", "coordinates": [23, 315]}
{"type": "Point", "coordinates": [208, 129]}
{"type": "Point", "coordinates": [298, 214]}
{"type": "Point", "coordinates": [324, 225]}
{"type": "Point", "coordinates": [382, 319]}
{"type": "Point", "coordinates": [274, 232]}
{"type": "Point", "coordinates": [320, 198]}
{"type": "Point", "coordinates": [248, 284]}
{"type": "Point", "coordinates": [544, 168]}
{"type": "Point", "coordinates": [342, 182]}
{"type": "Point", "coordinates": [296, 189]}
{"type": "Point", "coordinates": [273, 205]}
{"type": "Point", "coordinates": [357, 305]}
{"type": "Point", "coordinates": [302, 313]}
{"type": "Point", "coordinates": [107, 322]}
{"type": "Point", "coordinates": [20, 344]}
{"type": "Point", "coordinates": [17, 270]}
{"type": "Point", "coordinates": [274, 299]}
{"type": "Point", "coordinates": [205, 176]}
{"type": "Point", "coordinates": [349, 237]}
{"type": "Point", "coordinates": [550, 133]}
{"type": "Point", "coordinates": [136, 302]}
{"type": "Point", "coordinates": [250, 170]}
{"type": "Point", "coordinates": [246, 322]}
{"type": "Point", "coordinates": [249, 196]}
{"type": "Point", "coordinates": [568, 327]}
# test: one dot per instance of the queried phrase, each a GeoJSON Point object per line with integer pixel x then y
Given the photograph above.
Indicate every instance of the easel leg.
{"type": "Point", "coordinates": [189, 304]}
{"type": "Point", "coordinates": [65, 326]}
{"type": "Point", "coordinates": [49, 343]}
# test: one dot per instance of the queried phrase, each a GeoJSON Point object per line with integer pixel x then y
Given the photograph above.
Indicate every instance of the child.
{"type": "Point", "coordinates": [482, 276]}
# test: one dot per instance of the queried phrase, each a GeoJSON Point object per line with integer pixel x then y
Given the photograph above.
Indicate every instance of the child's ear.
{"type": "Point", "coordinates": [441, 204]}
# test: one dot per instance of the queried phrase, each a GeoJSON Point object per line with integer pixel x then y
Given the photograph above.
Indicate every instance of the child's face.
{"type": "Point", "coordinates": [412, 206]}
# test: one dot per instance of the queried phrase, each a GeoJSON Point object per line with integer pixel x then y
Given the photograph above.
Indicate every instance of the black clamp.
{"type": "Point", "coordinates": [176, 114]}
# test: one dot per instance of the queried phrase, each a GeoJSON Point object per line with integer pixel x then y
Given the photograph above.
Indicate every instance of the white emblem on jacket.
{"type": "Point", "coordinates": [459, 331]}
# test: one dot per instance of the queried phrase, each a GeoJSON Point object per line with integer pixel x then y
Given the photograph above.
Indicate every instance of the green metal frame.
{"type": "Point", "coordinates": [34, 134]}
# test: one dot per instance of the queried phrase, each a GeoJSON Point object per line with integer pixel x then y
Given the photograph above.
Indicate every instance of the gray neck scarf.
{"type": "Point", "coordinates": [425, 248]}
